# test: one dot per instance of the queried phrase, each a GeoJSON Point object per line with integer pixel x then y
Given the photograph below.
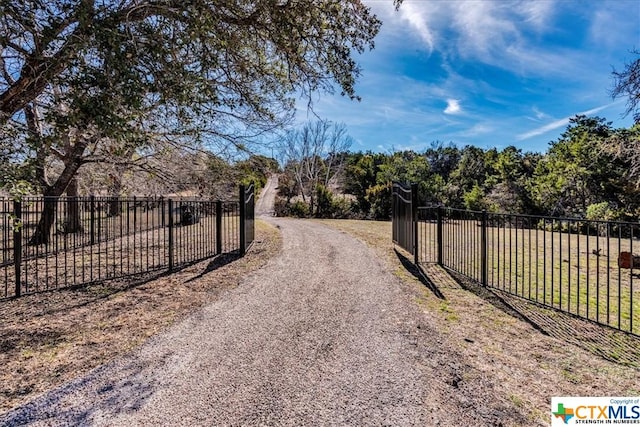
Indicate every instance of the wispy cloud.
{"type": "Point", "coordinates": [476, 130]}
{"type": "Point", "coordinates": [537, 13]}
{"type": "Point", "coordinates": [608, 30]}
{"type": "Point", "coordinates": [495, 32]}
{"type": "Point", "coordinates": [485, 72]}
{"type": "Point", "coordinates": [453, 106]}
{"type": "Point", "coordinates": [416, 18]}
{"type": "Point", "coordinates": [539, 115]}
{"type": "Point", "coordinates": [558, 123]}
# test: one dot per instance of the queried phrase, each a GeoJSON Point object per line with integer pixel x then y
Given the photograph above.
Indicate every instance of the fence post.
{"type": "Point", "coordinates": [17, 244]}
{"type": "Point", "coordinates": [414, 222]}
{"type": "Point", "coordinates": [162, 211]}
{"type": "Point", "coordinates": [92, 215]}
{"type": "Point", "coordinates": [483, 249]}
{"type": "Point", "coordinates": [170, 204]}
{"type": "Point", "coordinates": [394, 214]}
{"type": "Point", "coordinates": [218, 227]}
{"type": "Point", "coordinates": [243, 246]}
{"type": "Point", "coordinates": [135, 214]}
{"type": "Point", "coordinates": [439, 234]}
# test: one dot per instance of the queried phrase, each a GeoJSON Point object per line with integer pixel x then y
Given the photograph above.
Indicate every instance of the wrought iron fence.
{"type": "Point", "coordinates": [51, 243]}
{"type": "Point", "coordinates": [247, 213]}
{"type": "Point", "coordinates": [585, 268]}
{"type": "Point", "coordinates": [404, 205]}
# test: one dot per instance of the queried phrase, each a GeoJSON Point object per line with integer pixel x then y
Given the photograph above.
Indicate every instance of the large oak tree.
{"type": "Point", "coordinates": [93, 80]}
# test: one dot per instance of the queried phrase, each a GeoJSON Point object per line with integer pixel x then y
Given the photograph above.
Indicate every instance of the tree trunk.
{"type": "Point", "coordinates": [72, 222]}
{"type": "Point", "coordinates": [42, 234]}
{"type": "Point", "coordinates": [73, 161]}
{"type": "Point", "coordinates": [114, 207]}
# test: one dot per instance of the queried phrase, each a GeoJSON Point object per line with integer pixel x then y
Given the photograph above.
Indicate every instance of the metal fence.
{"type": "Point", "coordinates": [404, 205]}
{"type": "Point", "coordinates": [247, 213]}
{"type": "Point", "coordinates": [585, 268]}
{"type": "Point", "coordinates": [51, 243]}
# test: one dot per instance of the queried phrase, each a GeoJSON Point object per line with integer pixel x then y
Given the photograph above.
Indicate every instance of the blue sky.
{"type": "Point", "coordinates": [486, 73]}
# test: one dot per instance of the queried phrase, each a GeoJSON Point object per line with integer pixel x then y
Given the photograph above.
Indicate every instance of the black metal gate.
{"type": "Point", "coordinates": [247, 217]}
{"type": "Point", "coordinates": [404, 216]}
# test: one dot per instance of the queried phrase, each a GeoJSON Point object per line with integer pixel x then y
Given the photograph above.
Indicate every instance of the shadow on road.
{"type": "Point", "coordinates": [419, 274]}
{"type": "Point", "coordinates": [216, 263]}
{"type": "Point", "coordinates": [113, 395]}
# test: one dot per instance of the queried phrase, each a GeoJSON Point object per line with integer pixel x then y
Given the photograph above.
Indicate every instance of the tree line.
{"type": "Point", "coordinates": [591, 171]}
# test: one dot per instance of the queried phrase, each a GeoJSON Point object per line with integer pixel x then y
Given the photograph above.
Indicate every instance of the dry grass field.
{"type": "Point", "coordinates": [119, 251]}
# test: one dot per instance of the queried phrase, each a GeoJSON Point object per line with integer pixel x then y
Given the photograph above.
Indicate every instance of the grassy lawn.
{"type": "Point", "coordinates": [573, 272]}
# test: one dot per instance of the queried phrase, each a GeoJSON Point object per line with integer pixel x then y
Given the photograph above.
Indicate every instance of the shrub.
{"type": "Point", "coordinates": [299, 209]}
{"type": "Point", "coordinates": [324, 202]}
{"type": "Point", "coordinates": [379, 196]}
{"type": "Point", "coordinates": [603, 211]}
{"type": "Point", "coordinates": [342, 208]}
{"type": "Point", "coordinates": [281, 207]}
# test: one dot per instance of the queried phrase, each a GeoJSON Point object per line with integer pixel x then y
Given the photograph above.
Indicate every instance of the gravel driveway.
{"type": "Point", "coordinates": [266, 201]}
{"type": "Point", "coordinates": [313, 338]}
{"type": "Point", "coordinates": [323, 335]}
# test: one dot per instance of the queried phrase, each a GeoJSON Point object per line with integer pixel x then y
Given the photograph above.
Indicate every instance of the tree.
{"type": "Point", "coordinates": [507, 188]}
{"type": "Point", "coordinates": [100, 75]}
{"type": "Point", "coordinates": [237, 52]}
{"type": "Point", "coordinates": [577, 172]}
{"type": "Point", "coordinates": [627, 84]}
{"type": "Point", "coordinates": [315, 154]}
{"type": "Point", "coordinates": [360, 175]}
{"type": "Point", "coordinates": [442, 158]}
{"type": "Point", "coordinates": [625, 143]}
{"type": "Point", "coordinates": [470, 172]}
{"type": "Point", "coordinates": [403, 166]}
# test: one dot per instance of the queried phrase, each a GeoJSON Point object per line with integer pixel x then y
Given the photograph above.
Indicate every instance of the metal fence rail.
{"type": "Point", "coordinates": [585, 268]}
{"type": "Point", "coordinates": [90, 239]}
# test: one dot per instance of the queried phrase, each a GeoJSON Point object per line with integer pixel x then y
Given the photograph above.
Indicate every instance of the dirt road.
{"type": "Point", "coordinates": [323, 335]}
{"type": "Point", "coordinates": [264, 205]}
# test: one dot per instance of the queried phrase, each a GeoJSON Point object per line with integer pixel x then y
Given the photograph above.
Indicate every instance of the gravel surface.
{"type": "Point", "coordinates": [313, 338]}
{"type": "Point", "coordinates": [322, 335]}
{"type": "Point", "coordinates": [264, 205]}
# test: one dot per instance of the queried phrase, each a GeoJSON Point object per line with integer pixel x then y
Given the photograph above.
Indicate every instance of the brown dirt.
{"type": "Point", "coordinates": [532, 354]}
{"type": "Point", "coordinates": [49, 338]}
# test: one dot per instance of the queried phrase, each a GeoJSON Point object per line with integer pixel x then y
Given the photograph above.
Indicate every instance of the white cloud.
{"type": "Point", "coordinates": [482, 28]}
{"type": "Point", "coordinates": [417, 19]}
{"type": "Point", "coordinates": [537, 13]}
{"type": "Point", "coordinates": [495, 32]}
{"type": "Point", "coordinates": [608, 26]}
{"type": "Point", "coordinates": [558, 123]}
{"type": "Point", "coordinates": [453, 106]}
{"type": "Point", "coordinates": [476, 130]}
{"type": "Point", "coordinates": [543, 129]}
{"type": "Point", "coordinates": [539, 115]}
